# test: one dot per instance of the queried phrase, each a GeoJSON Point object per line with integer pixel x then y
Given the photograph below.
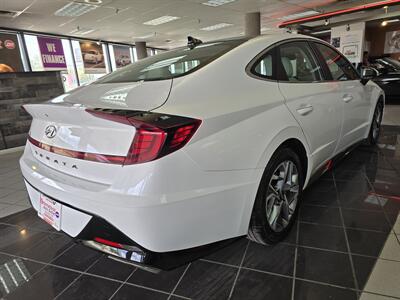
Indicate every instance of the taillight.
{"type": "Point", "coordinates": [156, 134]}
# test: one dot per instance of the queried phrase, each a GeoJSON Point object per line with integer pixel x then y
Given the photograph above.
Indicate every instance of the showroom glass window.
{"type": "Point", "coordinates": [298, 63]}
{"type": "Point", "coordinates": [338, 66]}
{"type": "Point", "coordinates": [68, 76]}
{"type": "Point", "coordinates": [87, 75]}
{"type": "Point", "coordinates": [120, 56]}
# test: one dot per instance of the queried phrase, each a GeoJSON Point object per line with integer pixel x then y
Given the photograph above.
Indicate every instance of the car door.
{"type": "Point", "coordinates": [354, 95]}
{"type": "Point", "coordinates": [314, 102]}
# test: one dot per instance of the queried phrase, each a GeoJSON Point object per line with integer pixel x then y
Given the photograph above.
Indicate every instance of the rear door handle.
{"type": "Point", "coordinates": [305, 110]}
{"type": "Point", "coordinates": [347, 98]}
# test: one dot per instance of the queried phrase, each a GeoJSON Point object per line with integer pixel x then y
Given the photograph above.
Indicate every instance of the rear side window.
{"type": "Point", "coordinates": [298, 63]}
{"type": "Point", "coordinates": [263, 67]}
{"type": "Point", "coordinates": [172, 63]}
{"type": "Point", "coordinates": [339, 67]}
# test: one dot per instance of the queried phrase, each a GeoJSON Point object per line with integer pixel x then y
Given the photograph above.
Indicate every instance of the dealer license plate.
{"type": "Point", "coordinates": [50, 211]}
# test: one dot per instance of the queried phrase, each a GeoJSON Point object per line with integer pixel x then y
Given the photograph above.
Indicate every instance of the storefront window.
{"type": "Point", "coordinates": [34, 55]}
{"type": "Point", "coordinates": [69, 76]}
{"type": "Point", "coordinates": [32, 47]}
{"type": "Point", "coordinates": [134, 54]}
{"type": "Point", "coordinates": [92, 65]}
{"type": "Point", "coordinates": [120, 56]}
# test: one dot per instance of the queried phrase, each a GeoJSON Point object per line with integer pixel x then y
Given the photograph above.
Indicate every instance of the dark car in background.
{"type": "Point", "coordinates": [387, 76]}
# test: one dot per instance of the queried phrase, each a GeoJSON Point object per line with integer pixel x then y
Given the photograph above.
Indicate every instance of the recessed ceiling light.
{"type": "Point", "coordinates": [217, 2]}
{"type": "Point", "coordinates": [303, 14]}
{"type": "Point", "coordinates": [94, 1]}
{"type": "Point", "coordinates": [75, 9]}
{"type": "Point", "coordinates": [161, 20]}
{"type": "Point", "coordinates": [143, 36]}
{"type": "Point", "coordinates": [216, 26]}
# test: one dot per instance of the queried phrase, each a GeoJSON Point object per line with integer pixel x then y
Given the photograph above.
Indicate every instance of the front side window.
{"type": "Point", "coordinates": [173, 63]}
{"type": "Point", "coordinates": [298, 63]}
{"type": "Point", "coordinates": [338, 66]}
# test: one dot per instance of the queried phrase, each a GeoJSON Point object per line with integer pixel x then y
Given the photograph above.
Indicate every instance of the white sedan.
{"type": "Point", "coordinates": [92, 56]}
{"type": "Point", "coordinates": [197, 145]}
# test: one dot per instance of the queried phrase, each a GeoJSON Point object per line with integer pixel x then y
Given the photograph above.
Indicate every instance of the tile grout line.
{"type": "Point", "coordinates": [47, 264]}
{"type": "Point", "coordinates": [122, 284]}
{"type": "Point", "coordinates": [347, 240]}
{"type": "Point", "coordinates": [238, 272]}
{"type": "Point", "coordinates": [295, 253]}
{"type": "Point", "coordinates": [179, 281]}
{"type": "Point", "coordinates": [89, 274]}
{"type": "Point", "coordinates": [352, 228]}
{"type": "Point", "coordinates": [218, 263]}
{"type": "Point", "coordinates": [76, 279]}
{"type": "Point", "coordinates": [340, 206]}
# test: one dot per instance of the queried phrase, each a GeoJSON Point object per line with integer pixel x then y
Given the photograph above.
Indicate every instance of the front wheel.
{"type": "Point", "coordinates": [375, 129]}
{"type": "Point", "coordinates": [277, 199]}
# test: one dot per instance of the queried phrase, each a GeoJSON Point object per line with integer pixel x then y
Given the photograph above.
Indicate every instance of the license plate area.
{"type": "Point", "coordinates": [50, 211]}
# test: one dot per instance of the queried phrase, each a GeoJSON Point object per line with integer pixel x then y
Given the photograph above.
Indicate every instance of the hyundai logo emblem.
{"type": "Point", "coordinates": [50, 131]}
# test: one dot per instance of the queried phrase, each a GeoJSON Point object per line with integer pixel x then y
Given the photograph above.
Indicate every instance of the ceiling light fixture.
{"type": "Point", "coordinates": [216, 26]}
{"type": "Point", "coordinates": [215, 3]}
{"type": "Point", "coordinates": [82, 31]}
{"type": "Point", "coordinates": [303, 14]}
{"type": "Point", "coordinates": [385, 22]}
{"type": "Point", "coordinates": [321, 32]}
{"type": "Point", "coordinates": [161, 20]}
{"type": "Point", "coordinates": [75, 9]}
{"type": "Point", "coordinates": [94, 1]}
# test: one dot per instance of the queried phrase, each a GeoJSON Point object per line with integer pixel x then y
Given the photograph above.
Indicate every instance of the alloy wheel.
{"type": "Point", "coordinates": [282, 195]}
{"type": "Point", "coordinates": [376, 123]}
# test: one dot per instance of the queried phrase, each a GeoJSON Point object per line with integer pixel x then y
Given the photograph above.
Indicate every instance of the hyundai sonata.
{"type": "Point", "coordinates": [196, 145]}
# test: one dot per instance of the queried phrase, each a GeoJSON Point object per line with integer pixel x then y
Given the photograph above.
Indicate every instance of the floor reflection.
{"type": "Point", "coordinates": [13, 274]}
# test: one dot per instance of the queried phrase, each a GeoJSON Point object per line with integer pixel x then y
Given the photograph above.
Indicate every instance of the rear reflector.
{"type": "Point", "coordinates": [107, 242]}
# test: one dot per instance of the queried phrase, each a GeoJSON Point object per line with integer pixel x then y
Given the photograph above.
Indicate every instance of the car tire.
{"type": "Point", "coordinates": [270, 203]}
{"type": "Point", "coordinates": [374, 130]}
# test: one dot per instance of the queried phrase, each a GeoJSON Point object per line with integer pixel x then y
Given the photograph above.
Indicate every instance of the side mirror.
{"type": "Point", "coordinates": [367, 73]}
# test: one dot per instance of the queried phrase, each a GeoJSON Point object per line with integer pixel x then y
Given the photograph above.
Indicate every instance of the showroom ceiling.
{"type": "Point", "coordinates": [162, 23]}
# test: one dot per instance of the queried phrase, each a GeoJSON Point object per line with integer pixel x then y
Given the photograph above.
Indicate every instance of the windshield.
{"type": "Point", "coordinates": [389, 63]}
{"type": "Point", "coordinates": [171, 64]}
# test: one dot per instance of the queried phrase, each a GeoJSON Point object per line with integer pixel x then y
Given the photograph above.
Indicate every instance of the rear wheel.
{"type": "Point", "coordinates": [277, 199]}
{"type": "Point", "coordinates": [375, 129]}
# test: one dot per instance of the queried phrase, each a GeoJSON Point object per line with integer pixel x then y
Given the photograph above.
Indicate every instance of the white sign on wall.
{"type": "Point", "coordinates": [350, 41]}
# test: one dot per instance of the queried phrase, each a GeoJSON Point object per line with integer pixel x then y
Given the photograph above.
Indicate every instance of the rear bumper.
{"type": "Point", "coordinates": [156, 211]}
{"type": "Point", "coordinates": [96, 227]}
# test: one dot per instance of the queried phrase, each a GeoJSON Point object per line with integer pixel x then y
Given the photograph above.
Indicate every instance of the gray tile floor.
{"type": "Point", "coordinates": [13, 195]}
{"type": "Point", "coordinates": [345, 245]}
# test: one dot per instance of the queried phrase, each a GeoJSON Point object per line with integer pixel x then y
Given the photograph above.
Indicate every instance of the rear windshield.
{"type": "Point", "coordinates": [171, 64]}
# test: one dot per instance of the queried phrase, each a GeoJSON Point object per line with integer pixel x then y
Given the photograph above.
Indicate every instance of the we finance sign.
{"type": "Point", "coordinates": [52, 53]}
